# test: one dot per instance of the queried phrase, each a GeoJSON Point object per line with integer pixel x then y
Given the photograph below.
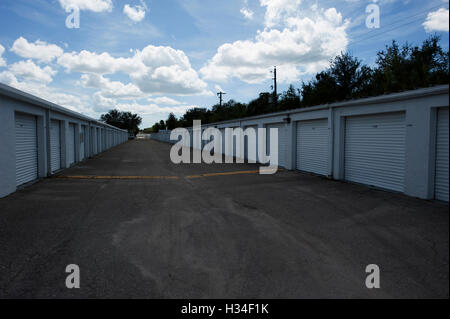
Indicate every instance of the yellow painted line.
{"type": "Point", "coordinates": [226, 173]}
{"type": "Point", "coordinates": [160, 177]}
{"type": "Point", "coordinates": [117, 177]}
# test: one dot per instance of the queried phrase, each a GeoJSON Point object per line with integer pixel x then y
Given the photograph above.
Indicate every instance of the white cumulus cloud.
{"type": "Point", "coordinates": [136, 13]}
{"type": "Point", "coordinates": [111, 89]}
{"type": "Point", "coordinates": [91, 62]}
{"type": "Point", "coordinates": [154, 70]}
{"type": "Point", "coordinates": [2, 61]}
{"type": "Point", "coordinates": [30, 71]}
{"type": "Point", "coordinates": [88, 5]}
{"type": "Point", "coordinates": [39, 50]}
{"type": "Point", "coordinates": [42, 90]}
{"type": "Point", "coordinates": [302, 45]}
{"type": "Point", "coordinates": [437, 21]}
{"type": "Point", "coordinates": [103, 104]}
{"type": "Point", "coordinates": [164, 100]}
{"type": "Point", "coordinates": [278, 10]}
{"type": "Point", "coordinates": [247, 13]}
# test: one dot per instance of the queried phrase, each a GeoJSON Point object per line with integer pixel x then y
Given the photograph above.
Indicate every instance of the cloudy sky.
{"type": "Point", "coordinates": [155, 57]}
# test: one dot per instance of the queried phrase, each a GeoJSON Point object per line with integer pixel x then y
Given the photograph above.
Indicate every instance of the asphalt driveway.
{"type": "Point", "coordinates": [170, 231]}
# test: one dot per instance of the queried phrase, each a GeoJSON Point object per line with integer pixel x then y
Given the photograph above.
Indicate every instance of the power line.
{"type": "Point", "coordinates": [385, 31]}
{"type": "Point", "coordinates": [368, 35]}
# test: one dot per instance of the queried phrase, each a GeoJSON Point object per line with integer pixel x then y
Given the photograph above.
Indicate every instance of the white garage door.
{"type": "Point", "coordinates": [99, 140]}
{"type": "Point", "coordinates": [282, 142]}
{"type": "Point", "coordinates": [312, 146]}
{"type": "Point", "coordinates": [55, 145]}
{"type": "Point", "coordinates": [71, 144]}
{"type": "Point", "coordinates": [375, 150]}
{"type": "Point", "coordinates": [93, 141]}
{"type": "Point", "coordinates": [441, 179]}
{"type": "Point", "coordinates": [82, 142]}
{"type": "Point", "coordinates": [26, 148]}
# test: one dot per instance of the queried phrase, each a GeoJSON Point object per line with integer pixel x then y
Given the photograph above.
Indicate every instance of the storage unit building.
{"type": "Point", "coordinates": [39, 138]}
{"type": "Point", "coordinates": [396, 142]}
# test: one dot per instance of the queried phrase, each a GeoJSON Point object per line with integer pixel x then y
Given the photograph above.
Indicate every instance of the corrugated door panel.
{"type": "Point", "coordinates": [99, 139]}
{"type": "Point", "coordinates": [26, 149]}
{"type": "Point", "coordinates": [441, 178]}
{"type": "Point", "coordinates": [282, 142]}
{"type": "Point", "coordinates": [82, 141]}
{"type": "Point", "coordinates": [93, 141]}
{"type": "Point", "coordinates": [71, 144]}
{"type": "Point", "coordinates": [375, 150]}
{"type": "Point", "coordinates": [55, 145]}
{"type": "Point", "coordinates": [312, 146]}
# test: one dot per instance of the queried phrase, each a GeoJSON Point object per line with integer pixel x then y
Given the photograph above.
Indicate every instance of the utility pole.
{"type": "Point", "coordinates": [220, 94]}
{"type": "Point", "coordinates": [275, 93]}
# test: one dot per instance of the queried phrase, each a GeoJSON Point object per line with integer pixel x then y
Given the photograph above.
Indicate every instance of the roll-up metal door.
{"type": "Point", "coordinates": [441, 178]}
{"type": "Point", "coordinates": [375, 150]}
{"type": "Point", "coordinates": [26, 148]}
{"type": "Point", "coordinates": [82, 142]}
{"type": "Point", "coordinates": [55, 145]}
{"type": "Point", "coordinates": [312, 146]}
{"type": "Point", "coordinates": [282, 142]}
{"type": "Point", "coordinates": [99, 140]}
{"type": "Point", "coordinates": [71, 144]}
{"type": "Point", "coordinates": [93, 141]}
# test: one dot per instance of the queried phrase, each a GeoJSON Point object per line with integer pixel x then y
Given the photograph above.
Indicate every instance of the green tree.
{"type": "Point", "coordinates": [171, 122]}
{"type": "Point", "coordinates": [195, 113]}
{"type": "Point", "coordinates": [227, 111]}
{"type": "Point", "coordinates": [123, 120]}
{"type": "Point", "coordinates": [346, 78]}
{"type": "Point", "coordinates": [263, 104]}
{"type": "Point", "coordinates": [113, 117]}
{"type": "Point", "coordinates": [289, 100]}
{"type": "Point", "coordinates": [162, 125]}
{"type": "Point", "coordinates": [410, 67]}
{"type": "Point", "coordinates": [131, 122]}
